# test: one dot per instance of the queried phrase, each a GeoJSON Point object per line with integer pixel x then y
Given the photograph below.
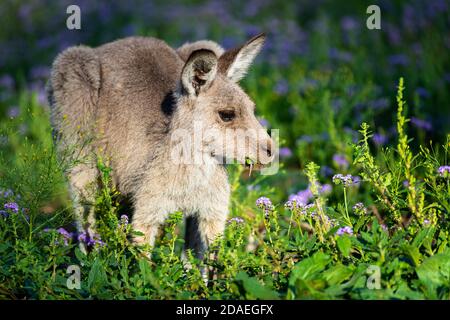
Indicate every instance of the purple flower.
{"type": "Point", "coordinates": [40, 72]}
{"type": "Point", "coordinates": [282, 87]}
{"type": "Point", "coordinates": [7, 193]}
{"type": "Point", "coordinates": [264, 122]}
{"type": "Point", "coordinates": [66, 235]}
{"type": "Point", "coordinates": [426, 222]}
{"type": "Point", "coordinates": [305, 138]}
{"type": "Point", "coordinates": [302, 196]}
{"type": "Point", "coordinates": [347, 180]}
{"type": "Point", "coordinates": [285, 152]}
{"type": "Point", "coordinates": [13, 112]}
{"type": "Point", "coordinates": [7, 81]}
{"type": "Point", "coordinates": [341, 161]}
{"type": "Point", "coordinates": [14, 207]}
{"type": "Point", "coordinates": [345, 230]}
{"type": "Point", "coordinates": [265, 204]}
{"type": "Point", "coordinates": [348, 23]}
{"type": "Point", "coordinates": [379, 139]}
{"type": "Point", "coordinates": [359, 209]}
{"type": "Point", "coordinates": [326, 171]}
{"type": "Point", "coordinates": [325, 189]}
{"type": "Point", "coordinates": [295, 204]}
{"type": "Point", "coordinates": [444, 171]}
{"type": "Point", "coordinates": [4, 213]}
{"type": "Point", "coordinates": [123, 220]}
{"type": "Point", "coordinates": [340, 55]}
{"type": "Point", "coordinates": [236, 220]}
{"type": "Point", "coordinates": [379, 104]}
{"type": "Point", "coordinates": [398, 60]}
{"type": "Point", "coordinates": [90, 242]}
{"type": "Point", "coordinates": [421, 124]}
{"type": "Point", "coordinates": [422, 92]}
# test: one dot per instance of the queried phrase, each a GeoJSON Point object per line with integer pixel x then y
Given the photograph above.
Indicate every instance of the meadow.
{"type": "Point", "coordinates": [360, 208]}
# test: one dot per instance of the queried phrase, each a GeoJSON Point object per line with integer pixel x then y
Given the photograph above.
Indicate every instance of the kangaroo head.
{"type": "Point", "coordinates": [216, 109]}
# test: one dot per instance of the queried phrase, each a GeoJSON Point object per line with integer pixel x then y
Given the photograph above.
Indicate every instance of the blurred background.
{"type": "Point", "coordinates": [320, 75]}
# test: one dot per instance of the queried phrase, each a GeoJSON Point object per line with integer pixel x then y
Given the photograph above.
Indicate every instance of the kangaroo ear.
{"type": "Point", "coordinates": [199, 71]}
{"type": "Point", "coordinates": [234, 63]}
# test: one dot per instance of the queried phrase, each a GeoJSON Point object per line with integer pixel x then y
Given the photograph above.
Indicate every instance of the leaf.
{"type": "Point", "coordinates": [97, 277]}
{"type": "Point", "coordinates": [82, 257]}
{"type": "Point", "coordinates": [254, 288]}
{"type": "Point", "coordinates": [337, 274]}
{"type": "Point", "coordinates": [434, 272]}
{"type": "Point", "coordinates": [344, 244]}
{"type": "Point", "coordinates": [413, 253]}
{"type": "Point", "coordinates": [309, 267]}
{"type": "Point", "coordinates": [421, 236]}
{"type": "Point", "coordinates": [304, 275]}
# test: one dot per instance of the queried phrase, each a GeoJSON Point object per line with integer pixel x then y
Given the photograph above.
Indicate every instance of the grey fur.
{"type": "Point", "coordinates": [129, 96]}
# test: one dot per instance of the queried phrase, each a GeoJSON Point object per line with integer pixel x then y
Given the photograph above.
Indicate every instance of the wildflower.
{"type": "Point", "coordinates": [384, 227]}
{"type": "Point", "coordinates": [359, 209]}
{"type": "Point", "coordinates": [333, 222]}
{"type": "Point", "coordinates": [426, 222]}
{"type": "Point", "coordinates": [302, 196]}
{"type": "Point", "coordinates": [13, 112]}
{"type": "Point", "coordinates": [4, 213]}
{"type": "Point", "coordinates": [6, 81]}
{"type": "Point", "coordinates": [264, 122]}
{"type": "Point", "coordinates": [325, 189]}
{"type": "Point", "coordinates": [379, 139]}
{"type": "Point", "coordinates": [421, 124]}
{"type": "Point", "coordinates": [398, 59]}
{"type": "Point", "coordinates": [444, 171]}
{"type": "Point", "coordinates": [265, 204]}
{"type": "Point", "coordinates": [66, 235]}
{"type": "Point", "coordinates": [253, 187]}
{"type": "Point", "coordinates": [347, 180]}
{"type": "Point", "coordinates": [310, 208]}
{"type": "Point", "coordinates": [285, 152]}
{"type": "Point", "coordinates": [422, 92]}
{"type": "Point", "coordinates": [295, 204]}
{"type": "Point", "coordinates": [305, 138]}
{"type": "Point", "coordinates": [123, 220]}
{"type": "Point", "coordinates": [6, 193]}
{"type": "Point", "coordinates": [326, 171]}
{"type": "Point", "coordinates": [14, 207]}
{"type": "Point", "coordinates": [90, 241]}
{"type": "Point", "coordinates": [282, 87]}
{"type": "Point", "coordinates": [236, 220]}
{"type": "Point", "coordinates": [349, 23]}
{"type": "Point", "coordinates": [345, 230]}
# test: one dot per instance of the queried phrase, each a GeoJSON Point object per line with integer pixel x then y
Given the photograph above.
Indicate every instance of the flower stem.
{"type": "Point", "coordinates": [347, 217]}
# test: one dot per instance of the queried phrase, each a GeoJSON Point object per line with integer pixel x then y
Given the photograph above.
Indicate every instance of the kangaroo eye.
{"type": "Point", "coordinates": [227, 115]}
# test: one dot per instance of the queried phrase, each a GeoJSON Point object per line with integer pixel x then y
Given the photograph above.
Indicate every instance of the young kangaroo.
{"type": "Point", "coordinates": [141, 104]}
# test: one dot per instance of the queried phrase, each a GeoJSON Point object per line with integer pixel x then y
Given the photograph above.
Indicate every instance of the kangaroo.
{"type": "Point", "coordinates": [140, 102]}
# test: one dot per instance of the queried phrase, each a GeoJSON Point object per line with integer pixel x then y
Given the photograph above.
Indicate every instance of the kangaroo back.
{"type": "Point", "coordinates": [73, 91]}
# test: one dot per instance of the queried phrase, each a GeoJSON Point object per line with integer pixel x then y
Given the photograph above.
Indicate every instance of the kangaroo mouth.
{"type": "Point", "coordinates": [252, 165]}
